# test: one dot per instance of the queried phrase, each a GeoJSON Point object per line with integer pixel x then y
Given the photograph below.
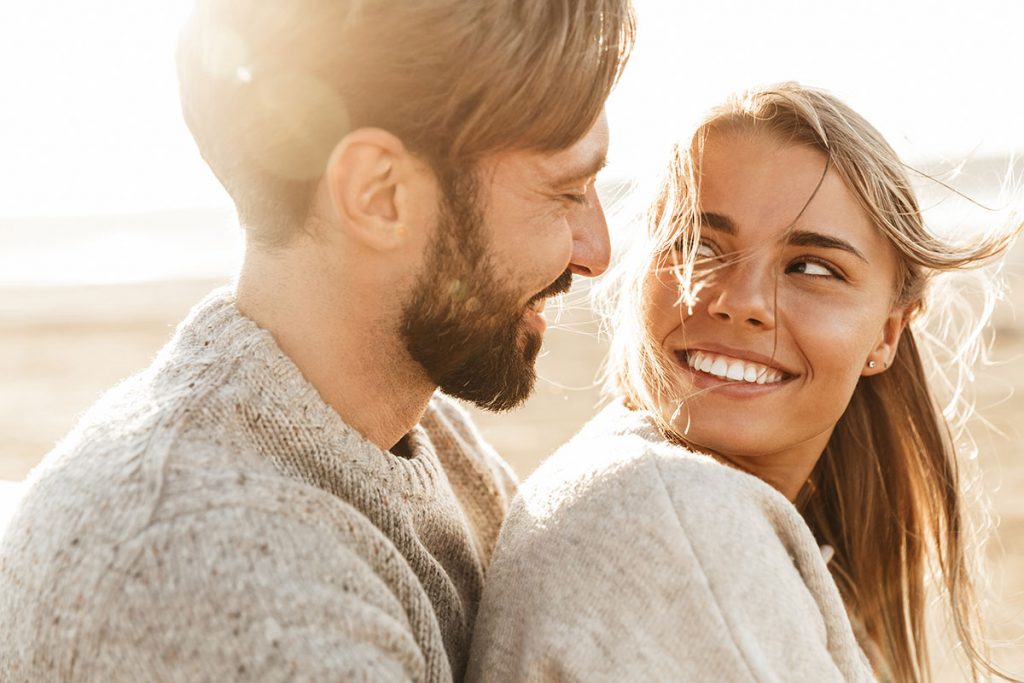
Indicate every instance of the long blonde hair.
{"type": "Point", "coordinates": [889, 491]}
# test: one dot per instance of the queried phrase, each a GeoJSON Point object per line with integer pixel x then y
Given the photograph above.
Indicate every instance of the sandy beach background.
{"type": "Point", "coordinates": [62, 345]}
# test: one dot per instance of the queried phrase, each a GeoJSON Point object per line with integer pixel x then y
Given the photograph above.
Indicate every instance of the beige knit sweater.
{"type": "Point", "coordinates": [212, 519]}
{"type": "Point", "coordinates": [626, 558]}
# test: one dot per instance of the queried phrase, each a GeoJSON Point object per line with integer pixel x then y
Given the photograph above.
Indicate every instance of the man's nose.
{"type": "Point", "coordinates": [744, 293]}
{"type": "Point", "coordinates": [591, 245]}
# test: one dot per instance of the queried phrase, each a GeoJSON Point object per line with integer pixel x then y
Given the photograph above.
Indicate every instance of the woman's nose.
{"type": "Point", "coordinates": [743, 293]}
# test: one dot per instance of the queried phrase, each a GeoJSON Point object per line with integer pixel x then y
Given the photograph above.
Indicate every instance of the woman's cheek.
{"type": "Point", "coordinates": [842, 340]}
{"type": "Point", "coordinates": [661, 313]}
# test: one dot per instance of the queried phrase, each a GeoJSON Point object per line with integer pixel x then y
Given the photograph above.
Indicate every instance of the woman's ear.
{"type": "Point", "coordinates": [884, 352]}
{"type": "Point", "coordinates": [366, 180]}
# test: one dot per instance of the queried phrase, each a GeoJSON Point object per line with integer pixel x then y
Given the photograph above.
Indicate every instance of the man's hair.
{"type": "Point", "coordinates": [269, 88]}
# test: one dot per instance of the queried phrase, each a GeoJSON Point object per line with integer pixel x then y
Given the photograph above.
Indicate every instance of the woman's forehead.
{"type": "Point", "coordinates": [758, 184]}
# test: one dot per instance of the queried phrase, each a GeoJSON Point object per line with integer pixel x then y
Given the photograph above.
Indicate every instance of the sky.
{"type": "Point", "coordinates": [90, 124]}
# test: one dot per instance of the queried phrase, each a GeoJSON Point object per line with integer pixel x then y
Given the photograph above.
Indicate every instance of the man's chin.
{"type": "Point", "coordinates": [529, 340]}
{"type": "Point", "coordinates": [498, 385]}
{"type": "Point", "coordinates": [494, 401]}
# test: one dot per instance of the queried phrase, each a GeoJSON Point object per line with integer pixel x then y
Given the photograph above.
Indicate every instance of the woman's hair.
{"type": "Point", "coordinates": [269, 88]}
{"type": "Point", "coordinates": [889, 491]}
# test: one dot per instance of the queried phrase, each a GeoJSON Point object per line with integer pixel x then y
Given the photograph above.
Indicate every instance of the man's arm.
{"type": "Point", "coordinates": [241, 594]}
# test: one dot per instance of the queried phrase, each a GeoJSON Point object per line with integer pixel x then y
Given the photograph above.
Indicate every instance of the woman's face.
{"type": "Point", "coordinates": [787, 320]}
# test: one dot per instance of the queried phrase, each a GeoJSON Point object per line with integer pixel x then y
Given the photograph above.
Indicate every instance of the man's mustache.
{"type": "Point", "coordinates": [559, 286]}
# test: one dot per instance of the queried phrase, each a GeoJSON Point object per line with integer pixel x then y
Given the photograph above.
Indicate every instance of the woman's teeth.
{"type": "Point", "coordinates": [733, 368]}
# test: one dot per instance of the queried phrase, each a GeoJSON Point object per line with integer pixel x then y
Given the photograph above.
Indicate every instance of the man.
{"type": "Point", "coordinates": [282, 495]}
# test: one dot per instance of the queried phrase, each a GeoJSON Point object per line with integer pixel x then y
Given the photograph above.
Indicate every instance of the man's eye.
{"type": "Point", "coordinates": [575, 198]}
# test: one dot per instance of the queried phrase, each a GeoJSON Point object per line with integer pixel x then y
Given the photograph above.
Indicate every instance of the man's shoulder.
{"type": "Point", "coordinates": [164, 513]}
{"type": "Point", "coordinates": [124, 483]}
{"type": "Point", "coordinates": [139, 430]}
{"type": "Point", "coordinates": [160, 448]}
{"type": "Point", "coordinates": [177, 515]}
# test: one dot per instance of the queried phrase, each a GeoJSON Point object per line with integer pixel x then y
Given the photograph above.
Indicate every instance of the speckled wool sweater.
{"type": "Point", "coordinates": [627, 558]}
{"type": "Point", "coordinates": [212, 519]}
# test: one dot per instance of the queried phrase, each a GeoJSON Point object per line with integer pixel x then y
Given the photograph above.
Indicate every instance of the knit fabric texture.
{"type": "Point", "coordinates": [212, 519]}
{"type": "Point", "coordinates": [627, 558]}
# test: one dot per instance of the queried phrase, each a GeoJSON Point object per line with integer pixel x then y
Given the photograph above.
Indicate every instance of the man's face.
{"type": "Point", "coordinates": [508, 237]}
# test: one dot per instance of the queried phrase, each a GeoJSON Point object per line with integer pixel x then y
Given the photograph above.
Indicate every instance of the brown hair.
{"type": "Point", "coordinates": [268, 88]}
{"type": "Point", "coordinates": [888, 493]}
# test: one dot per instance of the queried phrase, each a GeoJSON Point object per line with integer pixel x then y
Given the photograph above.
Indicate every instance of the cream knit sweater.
{"type": "Point", "coordinates": [626, 558]}
{"type": "Point", "coordinates": [212, 519]}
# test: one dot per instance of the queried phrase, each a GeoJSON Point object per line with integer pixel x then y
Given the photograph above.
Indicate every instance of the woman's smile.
{"type": "Point", "coordinates": [796, 291]}
{"type": "Point", "coordinates": [732, 372]}
{"type": "Point", "coordinates": [732, 369]}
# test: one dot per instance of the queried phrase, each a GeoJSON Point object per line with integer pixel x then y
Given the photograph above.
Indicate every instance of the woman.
{"type": "Point", "coordinates": [775, 469]}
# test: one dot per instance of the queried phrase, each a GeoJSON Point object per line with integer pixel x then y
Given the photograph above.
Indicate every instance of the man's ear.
{"type": "Point", "coordinates": [366, 180]}
{"type": "Point", "coordinates": [884, 352]}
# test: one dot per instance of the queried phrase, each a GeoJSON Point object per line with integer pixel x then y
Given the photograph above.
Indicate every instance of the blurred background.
{"type": "Point", "coordinates": [111, 226]}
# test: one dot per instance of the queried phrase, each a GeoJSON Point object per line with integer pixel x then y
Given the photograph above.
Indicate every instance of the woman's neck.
{"type": "Point", "coordinates": [786, 471]}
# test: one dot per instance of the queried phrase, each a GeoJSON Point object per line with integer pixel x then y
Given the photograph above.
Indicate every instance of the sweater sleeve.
{"type": "Point", "coordinates": [616, 578]}
{"type": "Point", "coordinates": [235, 594]}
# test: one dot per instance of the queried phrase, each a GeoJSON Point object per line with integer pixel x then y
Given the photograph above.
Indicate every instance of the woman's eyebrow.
{"type": "Point", "coordinates": [718, 222]}
{"type": "Point", "coordinates": [805, 238]}
{"type": "Point", "coordinates": [797, 238]}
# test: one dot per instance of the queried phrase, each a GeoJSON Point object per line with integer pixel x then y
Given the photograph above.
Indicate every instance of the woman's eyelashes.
{"type": "Point", "coordinates": [706, 249]}
{"type": "Point", "coordinates": [815, 268]}
{"type": "Point", "coordinates": [709, 253]}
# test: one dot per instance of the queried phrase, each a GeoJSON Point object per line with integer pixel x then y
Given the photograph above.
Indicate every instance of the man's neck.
{"type": "Point", "coordinates": [340, 340]}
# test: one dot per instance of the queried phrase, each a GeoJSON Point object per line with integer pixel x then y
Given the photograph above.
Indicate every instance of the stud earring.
{"type": "Point", "coordinates": [872, 364]}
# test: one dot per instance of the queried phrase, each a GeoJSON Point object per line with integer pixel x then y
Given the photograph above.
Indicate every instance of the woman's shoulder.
{"type": "Point", "coordinates": [620, 462]}
{"type": "Point", "coordinates": [623, 545]}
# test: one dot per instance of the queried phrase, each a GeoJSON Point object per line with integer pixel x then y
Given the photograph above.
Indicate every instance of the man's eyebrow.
{"type": "Point", "coordinates": [796, 238]}
{"type": "Point", "coordinates": [575, 177]}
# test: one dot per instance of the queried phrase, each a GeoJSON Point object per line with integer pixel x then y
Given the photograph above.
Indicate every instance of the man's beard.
{"type": "Point", "coordinates": [460, 324]}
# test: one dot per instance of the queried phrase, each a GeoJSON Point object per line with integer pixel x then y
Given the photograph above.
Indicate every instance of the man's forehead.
{"type": "Point", "coordinates": [580, 161]}
{"type": "Point", "coordinates": [576, 163]}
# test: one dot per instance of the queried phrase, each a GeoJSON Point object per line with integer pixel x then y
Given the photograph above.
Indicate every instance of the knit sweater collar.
{"type": "Point", "coordinates": [293, 425]}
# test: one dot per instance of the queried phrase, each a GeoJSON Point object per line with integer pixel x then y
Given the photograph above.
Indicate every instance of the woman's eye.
{"type": "Point", "coordinates": [706, 251]}
{"type": "Point", "coordinates": [812, 268]}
